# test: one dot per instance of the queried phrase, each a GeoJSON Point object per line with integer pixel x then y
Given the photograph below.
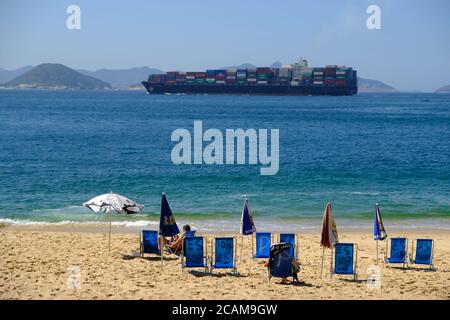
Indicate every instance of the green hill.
{"type": "Point", "coordinates": [56, 76]}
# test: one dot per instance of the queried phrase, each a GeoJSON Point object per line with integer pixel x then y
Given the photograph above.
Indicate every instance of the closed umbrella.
{"type": "Point", "coordinates": [329, 235]}
{"type": "Point", "coordinates": [379, 234]}
{"type": "Point", "coordinates": [247, 223]}
{"type": "Point", "coordinates": [113, 203]}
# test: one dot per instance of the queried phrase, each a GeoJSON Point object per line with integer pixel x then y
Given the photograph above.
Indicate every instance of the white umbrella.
{"type": "Point", "coordinates": [112, 202]}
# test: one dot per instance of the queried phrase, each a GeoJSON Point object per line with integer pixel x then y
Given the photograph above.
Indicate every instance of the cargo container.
{"type": "Point", "coordinates": [190, 75]}
{"type": "Point", "coordinates": [221, 73]}
{"type": "Point", "coordinates": [241, 73]}
{"type": "Point", "coordinates": [171, 77]}
{"type": "Point", "coordinates": [329, 72]}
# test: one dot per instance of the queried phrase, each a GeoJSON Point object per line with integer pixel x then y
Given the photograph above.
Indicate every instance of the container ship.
{"type": "Point", "coordinates": [292, 79]}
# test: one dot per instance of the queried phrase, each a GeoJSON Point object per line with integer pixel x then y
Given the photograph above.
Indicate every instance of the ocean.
{"type": "Point", "coordinates": [61, 148]}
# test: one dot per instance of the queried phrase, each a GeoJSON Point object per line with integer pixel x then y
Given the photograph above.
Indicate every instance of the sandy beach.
{"type": "Point", "coordinates": [35, 264]}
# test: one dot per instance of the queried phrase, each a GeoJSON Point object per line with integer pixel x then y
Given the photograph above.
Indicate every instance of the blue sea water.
{"type": "Point", "coordinates": [61, 148]}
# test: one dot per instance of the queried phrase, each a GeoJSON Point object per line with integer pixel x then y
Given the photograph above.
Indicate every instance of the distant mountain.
{"type": "Point", "coordinates": [56, 76]}
{"type": "Point", "coordinates": [444, 89]}
{"type": "Point", "coordinates": [7, 75]}
{"type": "Point", "coordinates": [276, 64]}
{"type": "Point", "coordinates": [136, 86]}
{"type": "Point", "coordinates": [122, 78]}
{"type": "Point", "coordinates": [373, 86]}
{"type": "Point", "coordinates": [242, 66]}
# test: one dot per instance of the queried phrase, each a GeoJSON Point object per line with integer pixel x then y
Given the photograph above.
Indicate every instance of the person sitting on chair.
{"type": "Point", "coordinates": [176, 242]}
{"type": "Point", "coordinates": [295, 269]}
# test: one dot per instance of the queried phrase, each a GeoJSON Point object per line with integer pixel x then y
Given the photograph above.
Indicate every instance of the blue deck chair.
{"type": "Point", "coordinates": [399, 247]}
{"type": "Point", "coordinates": [280, 261]}
{"type": "Point", "coordinates": [345, 260]}
{"type": "Point", "coordinates": [292, 239]}
{"type": "Point", "coordinates": [263, 242]}
{"type": "Point", "coordinates": [190, 233]}
{"type": "Point", "coordinates": [224, 255]}
{"type": "Point", "coordinates": [424, 253]}
{"type": "Point", "coordinates": [194, 253]}
{"type": "Point", "coordinates": [148, 242]}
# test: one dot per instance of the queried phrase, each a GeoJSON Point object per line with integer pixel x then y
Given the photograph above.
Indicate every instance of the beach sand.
{"type": "Point", "coordinates": [35, 263]}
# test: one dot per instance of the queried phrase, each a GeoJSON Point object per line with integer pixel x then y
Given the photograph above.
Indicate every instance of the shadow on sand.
{"type": "Point", "coordinates": [199, 274]}
{"type": "Point", "coordinates": [153, 258]}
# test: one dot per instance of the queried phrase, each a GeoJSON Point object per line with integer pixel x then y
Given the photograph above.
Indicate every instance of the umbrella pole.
{"type": "Point", "coordinates": [331, 263]}
{"type": "Point", "coordinates": [377, 250]}
{"type": "Point", "coordinates": [253, 248]}
{"type": "Point", "coordinates": [109, 238]}
{"type": "Point", "coordinates": [161, 251]}
{"type": "Point", "coordinates": [321, 268]}
{"type": "Point", "coordinates": [242, 241]}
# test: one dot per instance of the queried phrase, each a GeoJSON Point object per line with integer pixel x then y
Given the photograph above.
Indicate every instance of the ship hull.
{"type": "Point", "coordinates": [283, 90]}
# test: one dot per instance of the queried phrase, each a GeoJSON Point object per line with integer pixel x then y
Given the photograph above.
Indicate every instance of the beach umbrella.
{"type": "Point", "coordinates": [379, 234]}
{"type": "Point", "coordinates": [113, 203]}
{"type": "Point", "coordinates": [167, 224]}
{"type": "Point", "coordinates": [247, 224]}
{"type": "Point", "coordinates": [329, 232]}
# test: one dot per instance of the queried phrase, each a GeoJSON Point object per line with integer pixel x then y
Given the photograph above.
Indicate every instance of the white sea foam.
{"type": "Point", "coordinates": [31, 222]}
{"type": "Point", "coordinates": [234, 226]}
{"type": "Point", "coordinates": [139, 223]}
{"type": "Point", "coordinates": [21, 222]}
{"type": "Point", "coordinates": [364, 193]}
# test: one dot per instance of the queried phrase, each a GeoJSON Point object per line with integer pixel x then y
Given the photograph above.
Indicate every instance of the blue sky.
{"type": "Point", "coordinates": [410, 52]}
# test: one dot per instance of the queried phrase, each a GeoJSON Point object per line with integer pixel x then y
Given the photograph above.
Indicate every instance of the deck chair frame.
{"type": "Point", "coordinates": [388, 248]}
{"type": "Point", "coordinates": [412, 256]}
{"type": "Point", "coordinates": [212, 259]}
{"type": "Point", "coordinates": [204, 254]}
{"type": "Point", "coordinates": [354, 261]}
{"type": "Point", "coordinates": [254, 245]}
{"type": "Point", "coordinates": [296, 250]}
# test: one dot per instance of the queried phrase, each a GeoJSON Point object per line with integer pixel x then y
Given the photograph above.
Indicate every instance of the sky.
{"type": "Point", "coordinates": [411, 51]}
